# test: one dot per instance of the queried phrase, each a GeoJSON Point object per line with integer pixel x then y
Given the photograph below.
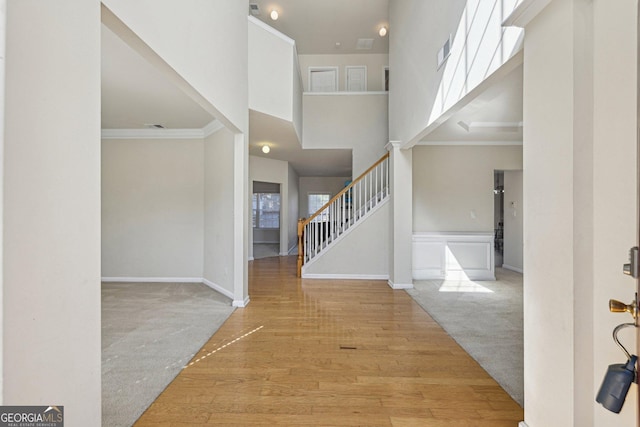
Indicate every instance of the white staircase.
{"type": "Point", "coordinates": [343, 212]}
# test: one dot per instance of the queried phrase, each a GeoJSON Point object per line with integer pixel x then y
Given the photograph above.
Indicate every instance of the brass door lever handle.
{"type": "Point", "coordinates": [616, 306]}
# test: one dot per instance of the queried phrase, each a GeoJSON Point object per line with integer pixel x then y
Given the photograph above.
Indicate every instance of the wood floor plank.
{"type": "Point", "coordinates": [330, 353]}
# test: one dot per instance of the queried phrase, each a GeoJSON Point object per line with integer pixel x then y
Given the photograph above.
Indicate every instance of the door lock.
{"type": "Point", "coordinates": [616, 306]}
{"type": "Point", "coordinates": [632, 268]}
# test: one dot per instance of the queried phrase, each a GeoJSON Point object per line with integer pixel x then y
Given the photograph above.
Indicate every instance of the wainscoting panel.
{"type": "Point", "coordinates": [453, 256]}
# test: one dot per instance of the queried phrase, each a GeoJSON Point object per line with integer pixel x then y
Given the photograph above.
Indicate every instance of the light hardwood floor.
{"type": "Point", "coordinates": [330, 353]}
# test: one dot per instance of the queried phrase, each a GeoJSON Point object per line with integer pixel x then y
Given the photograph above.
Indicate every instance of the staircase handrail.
{"type": "Point", "coordinates": [304, 222]}
{"type": "Point", "coordinates": [343, 191]}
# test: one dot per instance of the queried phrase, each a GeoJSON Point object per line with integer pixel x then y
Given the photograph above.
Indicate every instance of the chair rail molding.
{"type": "Point", "coordinates": [453, 255]}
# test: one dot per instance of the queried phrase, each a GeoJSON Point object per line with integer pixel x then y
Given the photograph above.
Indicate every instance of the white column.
{"type": "Point", "coordinates": [400, 256]}
{"type": "Point", "coordinates": [241, 208]}
{"type": "Point", "coordinates": [51, 223]}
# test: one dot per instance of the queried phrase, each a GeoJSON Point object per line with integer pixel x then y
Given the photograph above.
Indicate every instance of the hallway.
{"type": "Point", "coordinates": [332, 353]}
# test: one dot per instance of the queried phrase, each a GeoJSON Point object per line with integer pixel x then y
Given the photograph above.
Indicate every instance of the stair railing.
{"type": "Point", "coordinates": [343, 211]}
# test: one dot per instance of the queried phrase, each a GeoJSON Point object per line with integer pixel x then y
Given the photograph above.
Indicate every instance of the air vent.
{"type": "Point", "coordinates": [364, 44]}
{"type": "Point", "coordinates": [254, 9]}
{"type": "Point", "coordinates": [154, 126]}
{"type": "Point", "coordinates": [444, 52]}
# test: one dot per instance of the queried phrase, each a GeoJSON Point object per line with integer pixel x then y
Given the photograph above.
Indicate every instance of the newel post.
{"type": "Point", "coordinates": [300, 246]}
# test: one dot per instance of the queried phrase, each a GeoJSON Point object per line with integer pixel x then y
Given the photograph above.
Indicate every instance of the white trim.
{"type": "Point", "coordinates": [327, 68]}
{"type": "Point", "coordinates": [250, 258]}
{"type": "Point", "coordinates": [209, 129]}
{"type": "Point", "coordinates": [292, 248]}
{"type": "Point", "coordinates": [398, 286]}
{"type": "Point", "coordinates": [469, 143]}
{"type": "Point", "coordinates": [346, 276]}
{"type": "Point", "coordinates": [198, 280]}
{"type": "Point", "coordinates": [265, 242]}
{"type": "Point", "coordinates": [271, 30]}
{"type": "Point", "coordinates": [284, 254]}
{"type": "Point", "coordinates": [516, 269]}
{"type": "Point", "coordinates": [525, 12]}
{"type": "Point", "coordinates": [227, 293]}
{"type": "Point", "coordinates": [153, 279]}
{"type": "Point", "coordinates": [152, 134]}
{"type": "Point", "coordinates": [433, 255]}
{"type": "Point", "coordinates": [241, 303]}
{"type": "Point", "coordinates": [346, 76]}
{"type": "Point", "coordinates": [371, 92]}
{"type": "Point", "coordinates": [522, 424]}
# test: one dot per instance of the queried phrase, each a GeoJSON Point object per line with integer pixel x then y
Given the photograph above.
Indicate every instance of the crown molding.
{"type": "Point", "coordinates": [209, 129]}
{"type": "Point", "coordinates": [476, 143]}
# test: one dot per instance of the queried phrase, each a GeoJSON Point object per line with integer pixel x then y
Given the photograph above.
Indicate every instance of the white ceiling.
{"type": "Point", "coordinates": [135, 94]}
{"type": "Point", "coordinates": [317, 25]}
{"type": "Point", "coordinates": [283, 141]}
{"type": "Point", "coordinates": [493, 116]}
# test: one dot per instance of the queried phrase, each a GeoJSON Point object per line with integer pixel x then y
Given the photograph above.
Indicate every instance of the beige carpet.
{"type": "Point", "coordinates": [149, 332]}
{"type": "Point", "coordinates": [485, 318]}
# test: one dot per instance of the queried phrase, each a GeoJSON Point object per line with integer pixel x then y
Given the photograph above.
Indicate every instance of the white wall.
{"type": "Point", "coordinates": [580, 205]}
{"type": "Point", "coordinates": [375, 64]}
{"type": "Point", "coordinates": [359, 122]}
{"type": "Point", "coordinates": [453, 185]}
{"type": "Point", "coordinates": [513, 221]}
{"type": "Point", "coordinates": [369, 261]}
{"type": "Point", "coordinates": [51, 280]}
{"type": "Point", "coordinates": [271, 72]}
{"type": "Point", "coordinates": [276, 171]}
{"type": "Point", "coordinates": [318, 184]}
{"type": "Point", "coordinates": [218, 209]}
{"type": "Point", "coordinates": [420, 28]}
{"type": "Point", "coordinates": [212, 56]}
{"type": "Point", "coordinates": [152, 208]}
{"type": "Point", "coordinates": [421, 91]}
{"type": "Point", "coordinates": [293, 203]}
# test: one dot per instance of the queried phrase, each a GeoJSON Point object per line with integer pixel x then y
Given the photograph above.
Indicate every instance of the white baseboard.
{"type": "Point", "coordinates": [250, 258]}
{"type": "Point", "coordinates": [345, 276]}
{"type": "Point", "coordinates": [153, 279]}
{"type": "Point", "coordinates": [266, 242]}
{"type": "Point", "coordinates": [399, 285]}
{"type": "Point", "coordinates": [522, 424]}
{"type": "Point", "coordinates": [241, 303]}
{"type": "Point", "coordinates": [516, 269]}
{"type": "Point", "coordinates": [284, 253]}
{"type": "Point", "coordinates": [227, 293]}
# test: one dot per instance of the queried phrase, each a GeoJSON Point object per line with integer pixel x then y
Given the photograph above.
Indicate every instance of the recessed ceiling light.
{"type": "Point", "coordinates": [274, 15]}
{"type": "Point", "coordinates": [383, 31]}
{"type": "Point", "coordinates": [266, 149]}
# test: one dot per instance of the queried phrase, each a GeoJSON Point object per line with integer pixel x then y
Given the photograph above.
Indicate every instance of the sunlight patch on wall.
{"type": "Point", "coordinates": [480, 46]}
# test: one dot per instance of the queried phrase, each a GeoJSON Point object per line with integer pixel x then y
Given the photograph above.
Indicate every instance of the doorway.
{"type": "Point", "coordinates": [266, 201]}
{"type": "Point", "coordinates": [508, 220]}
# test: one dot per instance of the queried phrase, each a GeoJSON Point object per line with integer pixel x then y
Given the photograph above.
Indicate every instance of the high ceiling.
{"type": "Point", "coordinates": [317, 25]}
{"type": "Point", "coordinates": [493, 116]}
{"type": "Point", "coordinates": [136, 95]}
